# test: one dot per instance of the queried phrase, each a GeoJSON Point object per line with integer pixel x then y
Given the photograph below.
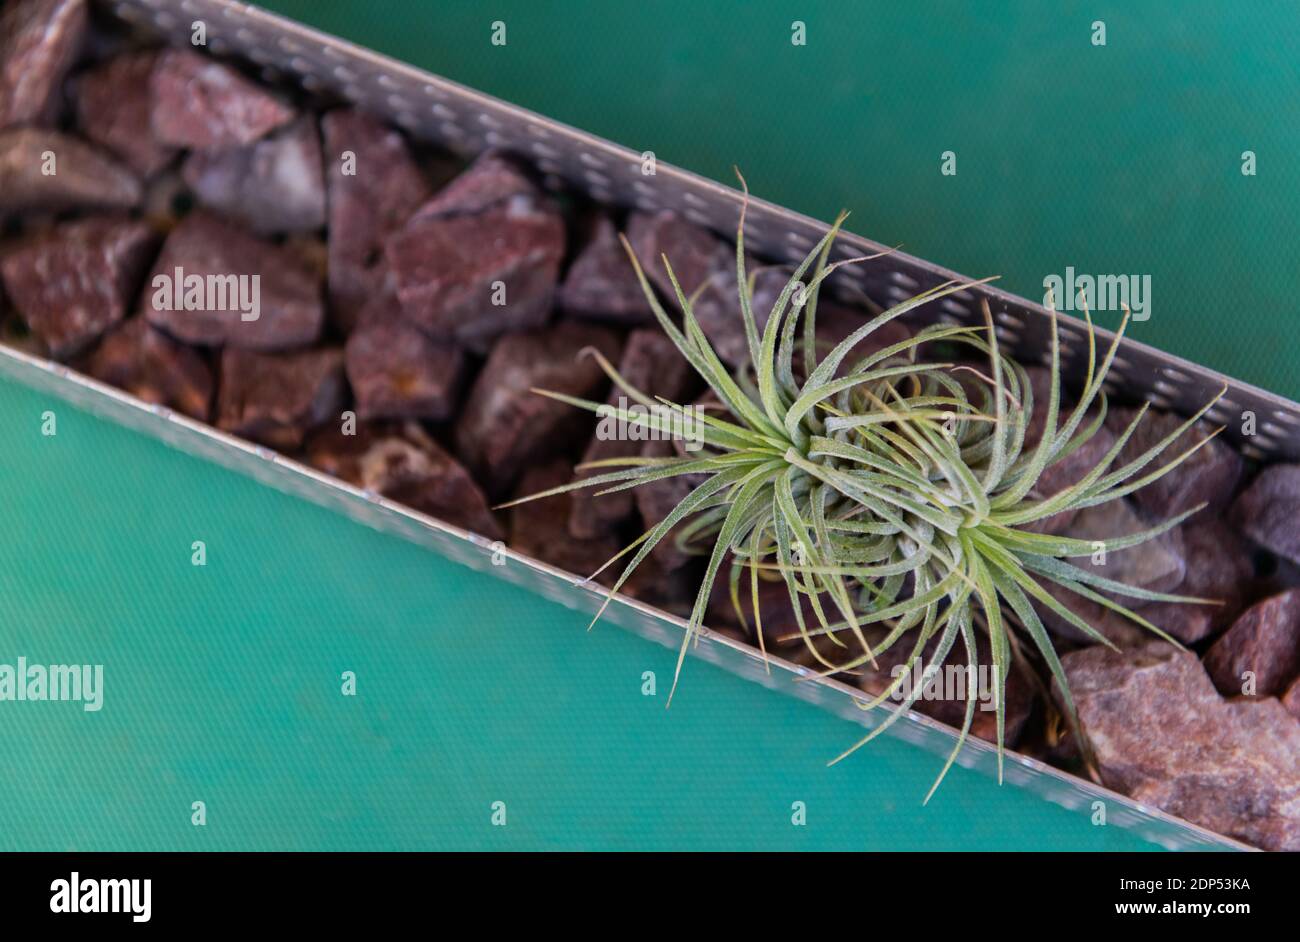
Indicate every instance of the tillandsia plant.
{"type": "Point", "coordinates": [892, 492]}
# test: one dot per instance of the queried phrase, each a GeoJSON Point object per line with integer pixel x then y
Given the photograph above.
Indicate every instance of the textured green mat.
{"type": "Point", "coordinates": [222, 683]}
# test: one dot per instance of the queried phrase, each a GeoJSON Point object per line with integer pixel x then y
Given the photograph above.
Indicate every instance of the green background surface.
{"type": "Point", "coordinates": [222, 683]}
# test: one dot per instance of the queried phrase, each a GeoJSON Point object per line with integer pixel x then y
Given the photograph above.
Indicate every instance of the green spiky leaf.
{"type": "Point", "coordinates": [892, 495]}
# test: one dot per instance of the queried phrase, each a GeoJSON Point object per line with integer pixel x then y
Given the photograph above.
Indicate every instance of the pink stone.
{"type": "Point", "coordinates": [480, 259]}
{"type": "Point", "coordinates": [51, 172]}
{"type": "Point", "coordinates": [275, 399]}
{"type": "Point", "coordinates": [652, 364]}
{"type": "Point", "coordinates": [1210, 476]}
{"type": "Point", "coordinates": [76, 281]}
{"type": "Point", "coordinates": [657, 499]}
{"type": "Point", "coordinates": [39, 41]}
{"type": "Point", "coordinates": [1263, 641]}
{"type": "Point", "coordinates": [113, 110]}
{"type": "Point", "coordinates": [398, 372]}
{"type": "Point", "coordinates": [491, 180]}
{"type": "Point", "coordinates": [1163, 735]}
{"type": "Point", "coordinates": [401, 462]}
{"type": "Point", "coordinates": [151, 366]}
{"type": "Point", "coordinates": [274, 185]}
{"type": "Point", "coordinates": [291, 313]}
{"type": "Point", "coordinates": [695, 253]}
{"type": "Point", "coordinates": [1268, 512]}
{"type": "Point", "coordinates": [537, 528]}
{"type": "Point", "coordinates": [365, 207]}
{"type": "Point", "coordinates": [505, 426]}
{"type": "Point", "coordinates": [202, 104]}
{"type": "Point", "coordinates": [601, 283]}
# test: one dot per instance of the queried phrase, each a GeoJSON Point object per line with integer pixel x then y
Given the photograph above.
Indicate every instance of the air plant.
{"type": "Point", "coordinates": [890, 492]}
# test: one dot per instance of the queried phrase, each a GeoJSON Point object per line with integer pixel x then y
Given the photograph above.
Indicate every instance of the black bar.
{"type": "Point", "coordinates": [335, 891]}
